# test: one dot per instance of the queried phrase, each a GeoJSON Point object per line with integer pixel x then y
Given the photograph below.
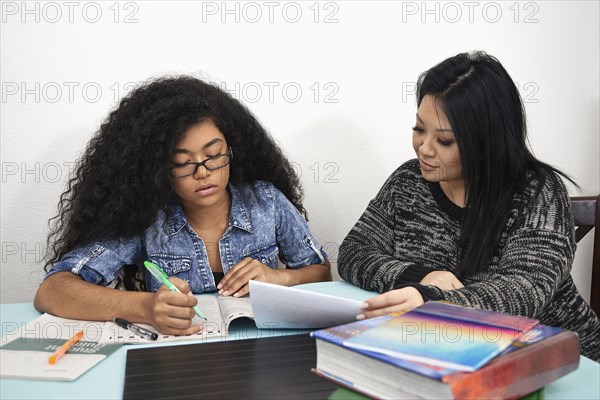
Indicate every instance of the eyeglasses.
{"type": "Point", "coordinates": [211, 164]}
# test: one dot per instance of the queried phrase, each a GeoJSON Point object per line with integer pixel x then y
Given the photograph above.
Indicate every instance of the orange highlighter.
{"type": "Point", "coordinates": [64, 348]}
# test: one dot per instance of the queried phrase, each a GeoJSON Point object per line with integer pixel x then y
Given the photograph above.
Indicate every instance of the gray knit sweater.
{"type": "Point", "coordinates": [411, 228]}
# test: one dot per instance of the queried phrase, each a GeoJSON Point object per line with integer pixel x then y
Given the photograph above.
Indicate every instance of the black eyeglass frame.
{"type": "Point", "coordinates": [203, 164]}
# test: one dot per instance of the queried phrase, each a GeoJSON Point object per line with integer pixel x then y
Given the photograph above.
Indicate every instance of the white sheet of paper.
{"type": "Point", "coordinates": [282, 307]}
{"type": "Point", "coordinates": [34, 365]}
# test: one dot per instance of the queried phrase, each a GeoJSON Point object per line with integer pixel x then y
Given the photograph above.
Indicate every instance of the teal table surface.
{"type": "Point", "coordinates": [106, 379]}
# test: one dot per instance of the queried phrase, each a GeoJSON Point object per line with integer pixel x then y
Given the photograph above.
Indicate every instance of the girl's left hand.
{"type": "Point", "coordinates": [236, 281]}
{"type": "Point", "coordinates": [397, 300]}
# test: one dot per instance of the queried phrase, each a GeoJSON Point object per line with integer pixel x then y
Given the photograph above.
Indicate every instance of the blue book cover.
{"type": "Point", "coordinates": [339, 334]}
{"type": "Point", "coordinates": [433, 340]}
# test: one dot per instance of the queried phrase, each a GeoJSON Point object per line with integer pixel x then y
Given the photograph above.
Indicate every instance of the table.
{"type": "Point", "coordinates": [106, 380]}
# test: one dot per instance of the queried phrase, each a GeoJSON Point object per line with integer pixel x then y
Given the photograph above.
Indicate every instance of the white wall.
{"type": "Point", "coordinates": [64, 65]}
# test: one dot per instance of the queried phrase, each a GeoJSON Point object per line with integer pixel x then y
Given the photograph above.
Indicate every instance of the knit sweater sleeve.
{"type": "Point", "coordinates": [366, 256]}
{"type": "Point", "coordinates": [534, 259]}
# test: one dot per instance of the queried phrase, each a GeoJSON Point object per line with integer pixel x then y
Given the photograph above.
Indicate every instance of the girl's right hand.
{"type": "Point", "coordinates": [171, 313]}
{"type": "Point", "coordinates": [444, 280]}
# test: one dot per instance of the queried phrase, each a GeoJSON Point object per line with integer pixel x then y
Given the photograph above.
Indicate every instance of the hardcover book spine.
{"type": "Point", "coordinates": [521, 372]}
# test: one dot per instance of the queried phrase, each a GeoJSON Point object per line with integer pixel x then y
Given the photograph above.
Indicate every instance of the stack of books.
{"type": "Point", "coordinates": [440, 350]}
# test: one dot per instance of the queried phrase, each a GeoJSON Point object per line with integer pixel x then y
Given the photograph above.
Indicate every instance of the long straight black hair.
{"type": "Point", "coordinates": [485, 110]}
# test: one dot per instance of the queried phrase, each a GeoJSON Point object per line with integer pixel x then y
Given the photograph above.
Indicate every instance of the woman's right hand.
{"type": "Point", "coordinates": [171, 313]}
{"type": "Point", "coordinates": [444, 280]}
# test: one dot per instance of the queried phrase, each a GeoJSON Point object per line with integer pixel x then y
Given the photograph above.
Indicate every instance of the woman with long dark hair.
{"type": "Point", "coordinates": [183, 175]}
{"type": "Point", "coordinates": [476, 219]}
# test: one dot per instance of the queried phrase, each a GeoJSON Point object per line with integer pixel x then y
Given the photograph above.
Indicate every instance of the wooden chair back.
{"type": "Point", "coordinates": [586, 216]}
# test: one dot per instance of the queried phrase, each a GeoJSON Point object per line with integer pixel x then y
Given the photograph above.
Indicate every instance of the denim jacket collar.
{"type": "Point", "coordinates": [239, 216]}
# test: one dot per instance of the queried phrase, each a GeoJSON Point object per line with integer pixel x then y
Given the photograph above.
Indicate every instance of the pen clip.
{"type": "Point", "coordinates": [143, 332]}
{"type": "Point", "coordinates": [138, 330]}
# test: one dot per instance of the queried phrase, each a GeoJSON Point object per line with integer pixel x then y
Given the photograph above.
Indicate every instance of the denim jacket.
{"type": "Point", "coordinates": [263, 225]}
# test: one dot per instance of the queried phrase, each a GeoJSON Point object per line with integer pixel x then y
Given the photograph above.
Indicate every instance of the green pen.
{"type": "Point", "coordinates": [164, 279]}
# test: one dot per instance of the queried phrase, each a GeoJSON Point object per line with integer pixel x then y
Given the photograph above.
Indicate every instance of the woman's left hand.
{"type": "Point", "coordinates": [236, 280]}
{"type": "Point", "coordinates": [397, 300]}
{"type": "Point", "coordinates": [444, 280]}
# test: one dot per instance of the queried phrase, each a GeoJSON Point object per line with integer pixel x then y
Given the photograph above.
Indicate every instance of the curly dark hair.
{"type": "Point", "coordinates": [122, 180]}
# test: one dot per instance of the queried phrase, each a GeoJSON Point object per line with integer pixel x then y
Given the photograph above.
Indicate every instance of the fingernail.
{"type": "Point", "coordinates": [225, 293]}
{"type": "Point", "coordinates": [236, 295]}
{"type": "Point", "coordinates": [220, 292]}
{"type": "Point", "coordinates": [364, 305]}
{"type": "Point", "coordinates": [360, 316]}
{"type": "Point", "coordinates": [219, 286]}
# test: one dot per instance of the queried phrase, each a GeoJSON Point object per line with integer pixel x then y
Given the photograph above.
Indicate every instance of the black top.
{"type": "Point", "coordinates": [409, 230]}
{"type": "Point", "coordinates": [218, 276]}
{"type": "Point", "coordinates": [454, 211]}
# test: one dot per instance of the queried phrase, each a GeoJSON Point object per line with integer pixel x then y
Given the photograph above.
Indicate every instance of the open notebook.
{"type": "Point", "coordinates": [270, 306]}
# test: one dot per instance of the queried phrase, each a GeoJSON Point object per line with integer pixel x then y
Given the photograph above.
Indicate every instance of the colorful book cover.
{"type": "Point", "coordinates": [449, 337]}
{"type": "Point", "coordinates": [487, 317]}
{"type": "Point", "coordinates": [339, 334]}
{"type": "Point", "coordinates": [539, 357]}
{"type": "Point", "coordinates": [537, 334]}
